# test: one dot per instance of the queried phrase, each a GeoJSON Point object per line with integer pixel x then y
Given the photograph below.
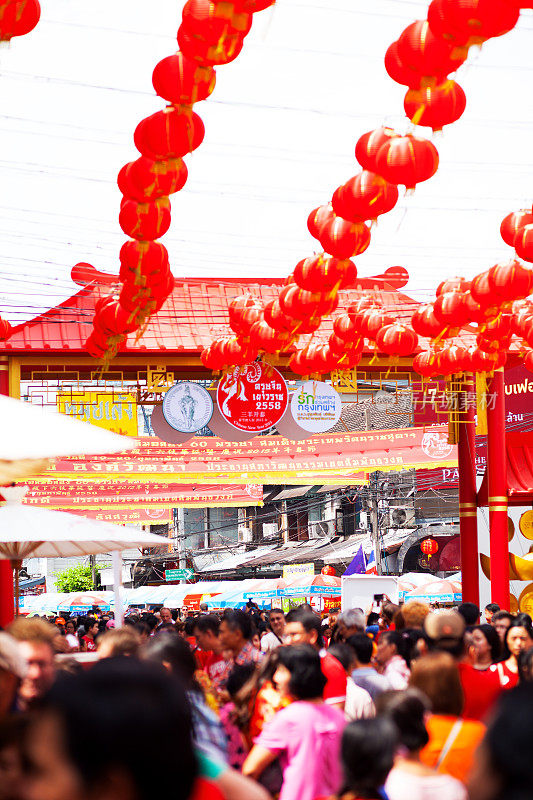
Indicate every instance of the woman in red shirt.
{"type": "Point", "coordinates": [519, 637]}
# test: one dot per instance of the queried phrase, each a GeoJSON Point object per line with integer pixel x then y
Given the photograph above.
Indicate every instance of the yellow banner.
{"type": "Point", "coordinates": [115, 411]}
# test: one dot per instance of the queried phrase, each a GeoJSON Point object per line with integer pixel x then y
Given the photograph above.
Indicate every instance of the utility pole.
{"type": "Point", "coordinates": [92, 564]}
{"type": "Point", "coordinates": [374, 520]}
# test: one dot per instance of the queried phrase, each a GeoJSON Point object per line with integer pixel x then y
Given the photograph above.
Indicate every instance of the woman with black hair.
{"type": "Point", "coordinates": [306, 735]}
{"type": "Point", "coordinates": [519, 637]}
{"type": "Point", "coordinates": [367, 756]}
{"type": "Point", "coordinates": [174, 653]}
{"type": "Point", "coordinates": [410, 779]}
{"type": "Point", "coordinates": [485, 648]}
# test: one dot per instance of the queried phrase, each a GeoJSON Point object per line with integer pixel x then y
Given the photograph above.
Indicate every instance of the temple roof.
{"type": "Point", "coordinates": [192, 316]}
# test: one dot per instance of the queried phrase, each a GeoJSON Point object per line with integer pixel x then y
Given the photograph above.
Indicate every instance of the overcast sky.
{"type": "Point", "coordinates": [281, 128]}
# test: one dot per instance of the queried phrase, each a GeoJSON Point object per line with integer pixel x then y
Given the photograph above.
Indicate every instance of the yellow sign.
{"type": "Point", "coordinates": [116, 411]}
{"type": "Point", "coordinates": [526, 524]}
{"type": "Point", "coordinates": [298, 570]}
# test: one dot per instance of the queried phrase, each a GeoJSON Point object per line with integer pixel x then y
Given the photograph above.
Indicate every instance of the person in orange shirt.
{"type": "Point", "coordinates": [452, 739]}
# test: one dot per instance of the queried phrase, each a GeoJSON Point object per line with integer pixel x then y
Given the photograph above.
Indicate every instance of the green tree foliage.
{"type": "Point", "coordinates": [76, 579]}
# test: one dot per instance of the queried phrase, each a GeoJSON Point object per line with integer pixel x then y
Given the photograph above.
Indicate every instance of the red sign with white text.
{"type": "Point", "coordinates": [253, 397]}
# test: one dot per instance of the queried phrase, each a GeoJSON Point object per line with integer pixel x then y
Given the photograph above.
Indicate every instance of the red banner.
{"type": "Point", "coordinates": [269, 459]}
{"type": "Point", "coordinates": [102, 492]}
{"type": "Point", "coordinates": [141, 516]}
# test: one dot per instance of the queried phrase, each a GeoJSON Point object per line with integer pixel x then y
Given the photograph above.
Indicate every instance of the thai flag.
{"type": "Point", "coordinates": [370, 563]}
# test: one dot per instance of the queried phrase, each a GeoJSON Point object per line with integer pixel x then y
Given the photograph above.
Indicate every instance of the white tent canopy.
{"type": "Point", "coordinates": [28, 431]}
{"type": "Point", "coordinates": [27, 531]}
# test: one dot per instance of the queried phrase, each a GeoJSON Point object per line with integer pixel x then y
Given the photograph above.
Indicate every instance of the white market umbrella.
{"type": "Point", "coordinates": [28, 431]}
{"type": "Point", "coordinates": [27, 532]}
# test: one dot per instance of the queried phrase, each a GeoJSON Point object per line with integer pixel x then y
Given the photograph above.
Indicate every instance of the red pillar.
{"type": "Point", "coordinates": [6, 573]}
{"type": "Point", "coordinates": [497, 467]}
{"type": "Point", "coordinates": [467, 496]}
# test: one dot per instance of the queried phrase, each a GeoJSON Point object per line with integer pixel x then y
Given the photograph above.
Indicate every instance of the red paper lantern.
{"type": "Point", "coordinates": [364, 197]}
{"type": "Point", "coordinates": [344, 239]}
{"type": "Point", "coordinates": [397, 340]}
{"type": "Point", "coordinates": [328, 570]}
{"type": "Point", "coordinates": [366, 301]}
{"type": "Point", "coordinates": [243, 311]}
{"type": "Point", "coordinates": [476, 313]}
{"type": "Point", "coordinates": [302, 305]}
{"type": "Point", "coordinates": [372, 320]}
{"type": "Point", "coordinates": [320, 273]}
{"type": "Point", "coordinates": [210, 54]}
{"type": "Point", "coordinates": [453, 360]}
{"type": "Point", "coordinates": [471, 21]}
{"type": "Point", "coordinates": [453, 285]}
{"type": "Point", "coordinates": [181, 81]}
{"type": "Point", "coordinates": [5, 329]}
{"type": "Point", "coordinates": [398, 71]}
{"type": "Point", "coordinates": [274, 316]}
{"type": "Point", "coordinates": [425, 364]}
{"type": "Point", "coordinates": [513, 223]}
{"type": "Point", "coordinates": [213, 21]}
{"type": "Point", "coordinates": [429, 547]}
{"type": "Point", "coordinates": [425, 323]}
{"type": "Point", "coordinates": [18, 17]}
{"type": "Point", "coordinates": [420, 50]}
{"type": "Point", "coordinates": [407, 160]}
{"type": "Point", "coordinates": [345, 329]}
{"type": "Point", "coordinates": [524, 243]}
{"type": "Point", "coordinates": [265, 339]}
{"type": "Point", "coordinates": [369, 144]}
{"type": "Point", "coordinates": [435, 106]}
{"type": "Point", "coordinates": [144, 180]}
{"type": "Point", "coordinates": [317, 218]}
{"type": "Point", "coordinates": [451, 310]}
{"type": "Point", "coordinates": [140, 259]}
{"type": "Point", "coordinates": [510, 281]}
{"type": "Point", "coordinates": [237, 353]}
{"type": "Point", "coordinates": [481, 291]}
{"type": "Point", "coordinates": [171, 133]}
{"type": "Point", "coordinates": [112, 319]}
{"type": "Point", "coordinates": [146, 221]}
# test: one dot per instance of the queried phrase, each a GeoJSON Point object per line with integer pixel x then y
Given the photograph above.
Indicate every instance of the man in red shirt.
{"type": "Point", "coordinates": [305, 627]}
{"type": "Point", "coordinates": [206, 632]}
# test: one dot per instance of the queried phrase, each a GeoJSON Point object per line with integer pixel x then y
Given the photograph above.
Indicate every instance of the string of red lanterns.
{"type": "Point", "coordinates": [422, 59]}
{"type": "Point", "coordinates": [211, 34]}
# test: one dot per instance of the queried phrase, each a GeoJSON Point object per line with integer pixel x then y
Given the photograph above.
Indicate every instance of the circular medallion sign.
{"type": "Point", "coordinates": [187, 407]}
{"type": "Point", "coordinates": [316, 406]}
{"type": "Point", "coordinates": [253, 397]}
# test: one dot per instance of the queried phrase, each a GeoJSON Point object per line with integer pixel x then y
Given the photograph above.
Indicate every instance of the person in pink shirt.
{"type": "Point", "coordinates": [306, 735]}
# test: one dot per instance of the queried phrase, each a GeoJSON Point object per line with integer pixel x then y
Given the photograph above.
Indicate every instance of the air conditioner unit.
{"type": "Point", "coordinates": [318, 529]}
{"type": "Point", "coordinates": [244, 534]}
{"type": "Point", "coordinates": [270, 530]}
{"type": "Point", "coordinates": [401, 517]}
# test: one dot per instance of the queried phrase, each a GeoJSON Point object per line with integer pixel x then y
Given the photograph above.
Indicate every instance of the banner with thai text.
{"type": "Point", "coordinates": [116, 411]}
{"type": "Point", "coordinates": [340, 457]}
{"type": "Point", "coordinates": [102, 492]}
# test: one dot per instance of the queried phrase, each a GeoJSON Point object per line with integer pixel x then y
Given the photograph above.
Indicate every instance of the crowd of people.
{"type": "Point", "coordinates": [407, 704]}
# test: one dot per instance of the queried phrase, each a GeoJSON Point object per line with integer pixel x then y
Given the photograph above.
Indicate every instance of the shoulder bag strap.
{"type": "Point", "coordinates": [448, 744]}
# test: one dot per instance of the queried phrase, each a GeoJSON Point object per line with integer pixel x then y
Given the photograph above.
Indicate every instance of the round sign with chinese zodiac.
{"type": "Point", "coordinates": [187, 407]}
{"type": "Point", "coordinates": [253, 397]}
{"type": "Point", "coordinates": [316, 406]}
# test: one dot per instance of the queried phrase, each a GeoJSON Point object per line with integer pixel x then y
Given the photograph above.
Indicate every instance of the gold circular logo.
{"type": "Point", "coordinates": [510, 528]}
{"type": "Point", "coordinates": [514, 604]}
{"type": "Point", "coordinates": [526, 524]}
{"type": "Point", "coordinates": [525, 601]}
